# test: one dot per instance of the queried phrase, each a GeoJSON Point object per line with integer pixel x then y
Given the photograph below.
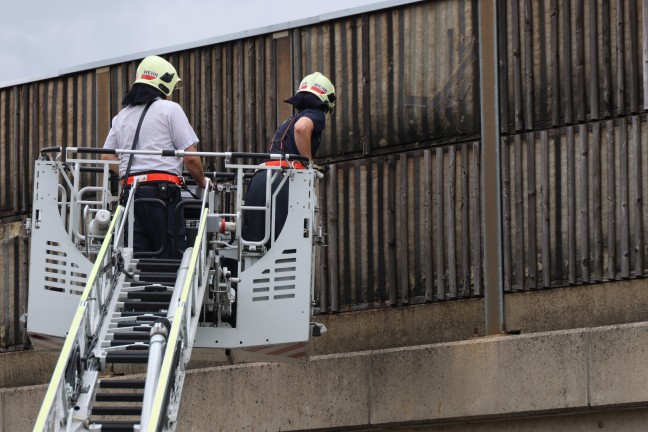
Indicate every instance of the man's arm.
{"type": "Point", "coordinates": [111, 157]}
{"type": "Point", "coordinates": [194, 166]}
{"type": "Point", "coordinates": [303, 133]}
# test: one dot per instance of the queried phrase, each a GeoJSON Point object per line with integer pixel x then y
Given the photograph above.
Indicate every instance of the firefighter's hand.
{"type": "Point", "coordinates": [209, 185]}
{"type": "Point", "coordinates": [319, 168]}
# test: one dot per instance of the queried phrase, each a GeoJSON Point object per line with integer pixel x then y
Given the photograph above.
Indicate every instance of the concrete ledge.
{"type": "Point", "coordinates": [487, 378]}
{"type": "Point", "coordinates": [618, 365]}
{"type": "Point", "coordinates": [531, 312]}
{"type": "Point", "coordinates": [480, 378]}
{"type": "Point", "coordinates": [494, 378]}
{"type": "Point", "coordinates": [534, 311]}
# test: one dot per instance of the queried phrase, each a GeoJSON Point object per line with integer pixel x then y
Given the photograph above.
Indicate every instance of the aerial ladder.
{"type": "Point", "coordinates": [106, 305]}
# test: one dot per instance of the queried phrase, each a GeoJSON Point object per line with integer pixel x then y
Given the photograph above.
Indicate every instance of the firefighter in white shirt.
{"type": "Point", "coordinates": [158, 229]}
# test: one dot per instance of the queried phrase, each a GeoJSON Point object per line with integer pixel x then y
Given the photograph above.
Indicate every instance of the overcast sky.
{"type": "Point", "coordinates": [44, 38]}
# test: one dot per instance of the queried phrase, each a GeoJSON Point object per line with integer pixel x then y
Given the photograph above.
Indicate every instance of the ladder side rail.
{"type": "Point", "coordinates": [66, 202]}
{"type": "Point", "coordinates": [99, 167]}
{"type": "Point", "coordinates": [158, 343]}
{"type": "Point", "coordinates": [92, 206]}
{"type": "Point", "coordinates": [181, 333]}
{"type": "Point", "coordinates": [105, 182]}
{"type": "Point", "coordinates": [315, 220]}
{"type": "Point", "coordinates": [86, 211]}
{"type": "Point", "coordinates": [62, 203]}
{"type": "Point", "coordinates": [273, 197]}
{"type": "Point", "coordinates": [77, 163]}
{"type": "Point", "coordinates": [56, 407]}
{"type": "Point", "coordinates": [265, 209]}
{"type": "Point", "coordinates": [74, 191]}
{"type": "Point", "coordinates": [239, 201]}
{"type": "Point", "coordinates": [129, 209]}
{"type": "Point", "coordinates": [270, 199]}
{"type": "Point", "coordinates": [108, 274]}
{"type": "Point", "coordinates": [77, 195]}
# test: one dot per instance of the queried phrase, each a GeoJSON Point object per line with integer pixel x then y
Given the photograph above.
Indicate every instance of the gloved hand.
{"type": "Point", "coordinates": [319, 168]}
{"type": "Point", "coordinates": [210, 183]}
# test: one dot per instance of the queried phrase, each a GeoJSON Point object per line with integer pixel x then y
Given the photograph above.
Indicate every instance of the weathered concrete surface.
{"type": "Point", "coordinates": [578, 307]}
{"type": "Point", "coordinates": [22, 368]}
{"type": "Point", "coordinates": [618, 420]}
{"type": "Point", "coordinates": [618, 366]}
{"type": "Point", "coordinates": [14, 252]}
{"type": "Point", "coordinates": [479, 381]}
{"type": "Point", "coordinates": [530, 312]}
{"type": "Point", "coordinates": [485, 377]}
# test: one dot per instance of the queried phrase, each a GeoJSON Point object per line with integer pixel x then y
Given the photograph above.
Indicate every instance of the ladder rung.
{"type": "Point", "coordinates": [136, 356]}
{"type": "Point", "coordinates": [119, 397]}
{"type": "Point", "coordinates": [157, 288]}
{"type": "Point", "coordinates": [116, 410]}
{"type": "Point", "coordinates": [151, 296]}
{"type": "Point", "coordinates": [115, 426]}
{"type": "Point", "coordinates": [156, 277]}
{"type": "Point", "coordinates": [158, 261]}
{"type": "Point", "coordinates": [137, 326]}
{"type": "Point", "coordinates": [145, 306]}
{"type": "Point", "coordinates": [141, 316]}
{"type": "Point", "coordinates": [127, 345]}
{"type": "Point", "coordinates": [136, 284]}
{"type": "Point", "coordinates": [158, 266]}
{"type": "Point", "coordinates": [137, 337]}
{"type": "Point", "coordinates": [122, 384]}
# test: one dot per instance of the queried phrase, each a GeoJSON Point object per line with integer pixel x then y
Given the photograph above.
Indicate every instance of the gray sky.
{"type": "Point", "coordinates": [43, 38]}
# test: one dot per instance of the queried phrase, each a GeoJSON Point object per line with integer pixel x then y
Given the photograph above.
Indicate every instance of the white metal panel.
{"type": "Point", "coordinates": [58, 271]}
{"type": "Point", "coordinates": [274, 294]}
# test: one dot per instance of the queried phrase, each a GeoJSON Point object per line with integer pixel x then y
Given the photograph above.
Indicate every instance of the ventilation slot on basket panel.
{"type": "Point", "coordinates": [285, 275]}
{"type": "Point", "coordinates": [60, 273]}
{"type": "Point", "coordinates": [261, 288]}
{"type": "Point", "coordinates": [280, 283]}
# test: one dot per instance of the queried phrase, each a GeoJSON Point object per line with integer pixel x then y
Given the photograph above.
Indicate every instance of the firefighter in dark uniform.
{"type": "Point", "coordinates": [298, 135]}
{"type": "Point", "coordinates": [158, 231]}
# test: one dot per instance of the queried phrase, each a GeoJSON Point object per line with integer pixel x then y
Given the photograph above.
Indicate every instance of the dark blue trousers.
{"type": "Point", "coordinates": [159, 231]}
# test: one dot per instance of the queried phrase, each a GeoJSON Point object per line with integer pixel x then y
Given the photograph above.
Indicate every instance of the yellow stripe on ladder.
{"type": "Point", "coordinates": [59, 370]}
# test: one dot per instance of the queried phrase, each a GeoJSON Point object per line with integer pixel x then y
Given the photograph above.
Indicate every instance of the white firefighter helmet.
{"type": "Point", "coordinates": [320, 86]}
{"type": "Point", "coordinates": [159, 73]}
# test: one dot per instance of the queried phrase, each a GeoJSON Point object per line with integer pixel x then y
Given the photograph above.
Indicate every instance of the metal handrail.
{"type": "Point", "coordinates": [187, 306]}
{"type": "Point", "coordinates": [82, 325]}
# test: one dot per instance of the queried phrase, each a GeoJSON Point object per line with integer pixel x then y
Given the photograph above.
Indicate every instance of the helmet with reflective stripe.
{"type": "Point", "coordinates": [320, 86]}
{"type": "Point", "coordinates": [158, 73]}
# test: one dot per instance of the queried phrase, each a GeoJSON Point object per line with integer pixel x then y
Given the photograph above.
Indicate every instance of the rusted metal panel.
{"type": "Point", "coordinates": [13, 288]}
{"type": "Point", "coordinates": [572, 61]}
{"type": "Point", "coordinates": [436, 257]}
{"type": "Point", "coordinates": [406, 226]}
{"type": "Point", "coordinates": [233, 91]}
{"type": "Point", "coordinates": [593, 217]}
{"type": "Point", "coordinates": [6, 200]}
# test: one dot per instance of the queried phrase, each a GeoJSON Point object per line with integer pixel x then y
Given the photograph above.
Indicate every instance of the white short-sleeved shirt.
{"type": "Point", "coordinates": [165, 127]}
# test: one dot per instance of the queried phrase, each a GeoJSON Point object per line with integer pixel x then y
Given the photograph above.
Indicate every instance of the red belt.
{"type": "Point", "coordinates": [285, 164]}
{"type": "Point", "coordinates": [153, 177]}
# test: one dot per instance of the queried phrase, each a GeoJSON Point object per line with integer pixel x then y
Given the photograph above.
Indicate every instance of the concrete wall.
{"type": "Point", "coordinates": [436, 374]}
{"type": "Point", "coordinates": [528, 312]}
{"type": "Point", "coordinates": [14, 258]}
{"type": "Point", "coordinates": [596, 371]}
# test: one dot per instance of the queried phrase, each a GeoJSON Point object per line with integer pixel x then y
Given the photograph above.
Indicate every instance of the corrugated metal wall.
{"type": "Point", "coordinates": [401, 201]}
{"type": "Point", "coordinates": [13, 280]}
{"type": "Point", "coordinates": [574, 158]}
{"type": "Point", "coordinates": [402, 228]}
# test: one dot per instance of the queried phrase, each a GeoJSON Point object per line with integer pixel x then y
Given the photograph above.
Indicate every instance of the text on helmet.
{"type": "Point", "coordinates": [319, 88]}
{"type": "Point", "coordinates": [148, 75]}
